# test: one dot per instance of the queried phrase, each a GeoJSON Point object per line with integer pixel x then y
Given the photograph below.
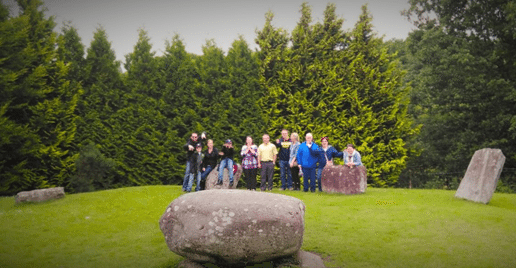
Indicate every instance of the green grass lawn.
{"type": "Point", "coordinates": [382, 228]}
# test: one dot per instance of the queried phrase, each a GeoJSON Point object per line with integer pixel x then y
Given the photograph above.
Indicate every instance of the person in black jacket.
{"type": "Point", "coordinates": [211, 156]}
{"type": "Point", "coordinates": [283, 144]}
{"type": "Point", "coordinates": [226, 161]}
{"type": "Point", "coordinates": [189, 147]}
{"type": "Point", "coordinates": [195, 161]}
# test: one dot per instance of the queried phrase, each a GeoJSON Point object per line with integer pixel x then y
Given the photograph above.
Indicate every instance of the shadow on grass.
{"type": "Point", "coordinates": [279, 263]}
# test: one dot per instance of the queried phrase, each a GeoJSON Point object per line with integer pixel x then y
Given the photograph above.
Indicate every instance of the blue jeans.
{"type": "Point", "coordinates": [190, 182]}
{"type": "Point", "coordinates": [319, 175]}
{"type": "Point", "coordinates": [204, 175]}
{"type": "Point", "coordinates": [226, 163]}
{"type": "Point", "coordinates": [308, 176]}
{"type": "Point", "coordinates": [187, 175]}
{"type": "Point", "coordinates": [206, 172]}
{"type": "Point", "coordinates": [285, 175]}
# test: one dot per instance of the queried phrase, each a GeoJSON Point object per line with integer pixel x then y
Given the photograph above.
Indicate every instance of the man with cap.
{"type": "Point", "coordinates": [226, 161]}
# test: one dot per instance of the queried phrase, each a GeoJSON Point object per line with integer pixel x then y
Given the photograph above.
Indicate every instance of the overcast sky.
{"type": "Point", "coordinates": [198, 20]}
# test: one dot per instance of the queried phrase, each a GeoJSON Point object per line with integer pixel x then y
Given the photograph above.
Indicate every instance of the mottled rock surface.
{"type": "Point", "coordinates": [213, 178]}
{"type": "Point", "coordinates": [343, 179]}
{"type": "Point", "coordinates": [40, 195]}
{"type": "Point", "coordinates": [233, 227]}
{"type": "Point", "coordinates": [481, 178]}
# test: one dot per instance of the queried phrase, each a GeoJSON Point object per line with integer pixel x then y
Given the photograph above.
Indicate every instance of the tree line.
{"type": "Point", "coordinates": [70, 117]}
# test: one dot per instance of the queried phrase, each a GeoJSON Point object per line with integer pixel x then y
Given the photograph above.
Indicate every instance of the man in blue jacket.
{"type": "Point", "coordinates": [307, 160]}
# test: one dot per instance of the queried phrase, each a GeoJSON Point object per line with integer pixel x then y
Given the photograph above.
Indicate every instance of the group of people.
{"type": "Point", "coordinates": [294, 158]}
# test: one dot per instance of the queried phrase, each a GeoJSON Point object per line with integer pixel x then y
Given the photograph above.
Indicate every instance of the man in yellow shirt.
{"type": "Point", "coordinates": [267, 154]}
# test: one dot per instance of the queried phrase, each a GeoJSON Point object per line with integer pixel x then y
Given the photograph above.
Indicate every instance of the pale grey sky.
{"type": "Point", "coordinates": [198, 20]}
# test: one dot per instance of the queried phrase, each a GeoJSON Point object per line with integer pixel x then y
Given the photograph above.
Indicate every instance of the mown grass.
{"type": "Point", "coordinates": [382, 228]}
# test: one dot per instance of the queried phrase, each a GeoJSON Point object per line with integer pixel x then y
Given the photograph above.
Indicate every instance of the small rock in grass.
{"type": "Point", "coordinates": [40, 195]}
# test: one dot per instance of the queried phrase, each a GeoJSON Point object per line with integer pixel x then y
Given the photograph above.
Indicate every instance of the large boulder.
{"type": "Point", "coordinates": [233, 227]}
{"type": "Point", "coordinates": [213, 178]}
{"type": "Point", "coordinates": [343, 179]}
{"type": "Point", "coordinates": [481, 178]}
{"type": "Point", "coordinates": [40, 195]}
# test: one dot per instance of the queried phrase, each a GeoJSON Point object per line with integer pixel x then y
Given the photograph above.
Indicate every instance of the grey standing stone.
{"type": "Point", "coordinates": [213, 178]}
{"type": "Point", "coordinates": [233, 227]}
{"type": "Point", "coordinates": [343, 179]}
{"type": "Point", "coordinates": [481, 178]}
{"type": "Point", "coordinates": [40, 195]}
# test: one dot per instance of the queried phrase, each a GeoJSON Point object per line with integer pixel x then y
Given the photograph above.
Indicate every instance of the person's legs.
{"type": "Point", "coordinates": [229, 164]}
{"type": "Point", "coordinates": [187, 175]}
{"type": "Point", "coordinates": [222, 165]}
{"type": "Point", "coordinates": [204, 175]}
{"type": "Point", "coordinates": [305, 179]}
{"type": "Point", "coordinates": [206, 172]}
{"type": "Point", "coordinates": [246, 172]}
{"type": "Point", "coordinates": [253, 179]}
{"type": "Point", "coordinates": [289, 176]}
{"type": "Point", "coordinates": [295, 177]}
{"type": "Point", "coordinates": [263, 176]}
{"type": "Point", "coordinates": [190, 182]}
{"type": "Point", "coordinates": [270, 175]}
{"type": "Point", "coordinates": [318, 175]}
{"type": "Point", "coordinates": [283, 165]}
{"type": "Point", "coordinates": [312, 178]}
{"type": "Point", "coordinates": [198, 184]}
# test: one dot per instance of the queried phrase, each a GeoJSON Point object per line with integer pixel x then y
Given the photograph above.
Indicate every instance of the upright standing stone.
{"type": "Point", "coordinates": [40, 195]}
{"type": "Point", "coordinates": [213, 178]}
{"type": "Point", "coordinates": [343, 179]}
{"type": "Point", "coordinates": [479, 182]}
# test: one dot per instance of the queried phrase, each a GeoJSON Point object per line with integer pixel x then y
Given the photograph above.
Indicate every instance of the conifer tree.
{"type": "Point", "coordinates": [37, 104]}
{"type": "Point", "coordinates": [211, 100]}
{"type": "Point", "coordinates": [340, 85]}
{"type": "Point", "coordinates": [145, 159]}
{"type": "Point", "coordinates": [103, 91]}
{"type": "Point", "coordinates": [243, 75]}
{"type": "Point", "coordinates": [378, 103]}
{"type": "Point", "coordinates": [463, 66]}
{"type": "Point", "coordinates": [103, 96]}
{"type": "Point", "coordinates": [178, 77]}
{"type": "Point", "coordinates": [273, 54]}
{"type": "Point", "coordinates": [71, 52]}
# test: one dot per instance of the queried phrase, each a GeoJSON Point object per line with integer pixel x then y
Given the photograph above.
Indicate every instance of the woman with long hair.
{"type": "Point", "coordinates": [294, 168]}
